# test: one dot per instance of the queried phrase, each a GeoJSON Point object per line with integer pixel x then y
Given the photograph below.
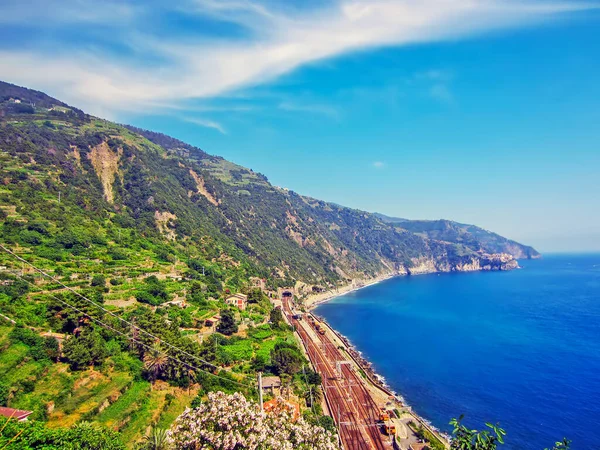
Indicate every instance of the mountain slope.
{"type": "Point", "coordinates": [73, 184]}
{"type": "Point", "coordinates": [471, 236]}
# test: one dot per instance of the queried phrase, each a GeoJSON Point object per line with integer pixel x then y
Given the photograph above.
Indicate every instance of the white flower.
{"type": "Point", "coordinates": [231, 422]}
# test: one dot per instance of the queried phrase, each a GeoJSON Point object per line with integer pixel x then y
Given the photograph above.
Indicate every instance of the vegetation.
{"type": "Point", "coordinates": [139, 238]}
{"type": "Point", "coordinates": [33, 435]}
{"type": "Point", "coordinates": [465, 438]}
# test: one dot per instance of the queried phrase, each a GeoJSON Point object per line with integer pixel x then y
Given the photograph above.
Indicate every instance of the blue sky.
{"type": "Point", "coordinates": [481, 111]}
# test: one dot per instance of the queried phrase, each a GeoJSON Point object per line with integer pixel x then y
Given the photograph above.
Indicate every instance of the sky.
{"type": "Point", "coordinates": [479, 111]}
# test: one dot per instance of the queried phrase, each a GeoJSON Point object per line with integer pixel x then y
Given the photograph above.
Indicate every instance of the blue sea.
{"type": "Point", "coordinates": [521, 348]}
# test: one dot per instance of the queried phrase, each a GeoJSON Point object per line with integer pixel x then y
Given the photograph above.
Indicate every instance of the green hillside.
{"type": "Point", "coordinates": [156, 234]}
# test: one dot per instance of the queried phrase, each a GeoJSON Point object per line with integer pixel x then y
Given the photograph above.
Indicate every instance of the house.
{"type": "Point", "coordinates": [17, 414]}
{"type": "Point", "coordinates": [212, 321]}
{"type": "Point", "coordinates": [259, 283]}
{"type": "Point", "coordinates": [178, 302]}
{"type": "Point", "coordinates": [238, 300]}
{"type": "Point", "coordinates": [272, 384]}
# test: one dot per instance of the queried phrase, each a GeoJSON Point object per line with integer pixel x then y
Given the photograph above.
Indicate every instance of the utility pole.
{"type": "Point", "coordinates": [260, 391]}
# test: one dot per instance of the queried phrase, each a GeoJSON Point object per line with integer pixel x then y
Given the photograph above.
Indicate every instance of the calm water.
{"type": "Point", "coordinates": [520, 347]}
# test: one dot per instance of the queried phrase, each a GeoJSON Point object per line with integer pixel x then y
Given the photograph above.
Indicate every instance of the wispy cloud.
{"type": "Point", "coordinates": [206, 123]}
{"type": "Point", "coordinates": [160, 70]}
{"type": "Point", "coordinates": [378, 164]}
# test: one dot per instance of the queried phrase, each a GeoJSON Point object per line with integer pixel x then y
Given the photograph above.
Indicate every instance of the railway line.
{"type": "Point", "coordinates": [352, 407]}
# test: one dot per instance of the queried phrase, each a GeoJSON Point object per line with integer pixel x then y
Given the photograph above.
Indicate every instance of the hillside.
{"type": "Point", "coordinates": [122, 181]}
{"type": "Point", "coordinates": [470, 236]}
{"type": "Point", "coordinates": [156, 234]}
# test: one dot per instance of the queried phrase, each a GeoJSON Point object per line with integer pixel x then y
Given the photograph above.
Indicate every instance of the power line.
{"type": "Point", "coordinates": [118, 318]}
{"type": "Point", "coordinates": [132, 338]}
{"type": "Point", "coordinates": [104, 309]}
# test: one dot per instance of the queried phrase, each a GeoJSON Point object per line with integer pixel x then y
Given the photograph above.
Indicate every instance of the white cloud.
{"type": "Point", "coordinates": [207, 123]}
{"type": "Point", "coordinates": [379, 164]}
{"type": "Point", "coordinates": [98, 79]}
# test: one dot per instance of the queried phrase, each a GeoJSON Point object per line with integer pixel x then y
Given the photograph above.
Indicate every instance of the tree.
{"type": "Point", "coordinates": [286, 359]}
{"type": "Point", "coordinates": [256, 295]}
{"type": "Point", "coordinates": [468, 439]}
{"type": "Point", "coordinates": [98, 280]}
{"type": "Point", "coordinates": [155, 361]}
{"type": "Point", "coordinates": [89, 348]}
{"type": "Point", "coordinates": [156, 440]}
{"type": "Point", "coordinates": [4, 393]}
{"type": "Point", "coordinates": [227, 325]}
{"type": "Point", "coordinates": [229, 422]}
{"type": "Point", "coordinates": [276, 318]}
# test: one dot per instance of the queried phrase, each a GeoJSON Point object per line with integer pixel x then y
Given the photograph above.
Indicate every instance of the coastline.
{"type": "Point", "coordinates": [314, 300]}
{"type": "Point", "coordinates": [376, 381]}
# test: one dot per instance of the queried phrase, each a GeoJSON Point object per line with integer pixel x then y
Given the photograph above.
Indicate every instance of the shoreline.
{"type": "Point", "coordinates": [314, 300]}
{"type": "Point", "coordinates": [376, 380]}
{"type": "Point", "coordinates": [379, 382]}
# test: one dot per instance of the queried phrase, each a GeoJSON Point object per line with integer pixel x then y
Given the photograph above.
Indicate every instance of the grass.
{"type": "Point", "coordinates": [119, 413]}
{"type": "Point", "coordinates": [239, 351]}
{"type": "Point", "coordinates": [265, 348]}
{"type": "Point", "coordinates": [176, 407]}
{"type": "Point", "coordinates": [93, 390]}
{"type": "Point", "coordinates": [147, 413]}
{"type": "Point", "coordinates": [10, 358]}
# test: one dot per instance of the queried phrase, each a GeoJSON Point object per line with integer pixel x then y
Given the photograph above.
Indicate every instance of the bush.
{"type": "Point", "coordinates": [227, 325]}
{"type": "Point", "coordinates": [98, 280]}
{"type": "Point", "coordinates": [89, 348]}
{"type": "Point", "coordinates": [83, 436]}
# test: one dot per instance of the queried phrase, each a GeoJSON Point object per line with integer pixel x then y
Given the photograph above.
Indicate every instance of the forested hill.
{"type": "Point", "coordinates": [470, 236]}
{"type": "Point", "coordinates": [73, 184]}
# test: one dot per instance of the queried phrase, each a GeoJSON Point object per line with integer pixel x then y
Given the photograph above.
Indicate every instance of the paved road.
{"type": "Point", "coordinates": [352, 407]}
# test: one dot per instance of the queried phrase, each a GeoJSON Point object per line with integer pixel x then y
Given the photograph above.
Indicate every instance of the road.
{"type": "Point", "coordinates": [352, 406]}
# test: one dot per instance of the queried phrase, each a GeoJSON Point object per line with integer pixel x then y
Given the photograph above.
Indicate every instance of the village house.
{"type": "Point", "coordinates": [272, 385]}
{"type": "Point", "coordinates": [17, 414]}
{"type": "Point", "coordinates": [238, 300]}
{"type": "Point", "coordinates": [259, 283]}
{"type": "Point", "coordinates": [180, 302]}
{"type": "Point", "coordinates": [212, 321]}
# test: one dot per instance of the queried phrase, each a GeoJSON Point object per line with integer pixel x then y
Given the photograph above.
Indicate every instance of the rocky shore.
{"type": "Point", "coordinates": [422, 266]}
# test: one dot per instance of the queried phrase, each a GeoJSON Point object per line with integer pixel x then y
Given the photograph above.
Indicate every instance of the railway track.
{"type": "Point", "coordinates": [352, 407]}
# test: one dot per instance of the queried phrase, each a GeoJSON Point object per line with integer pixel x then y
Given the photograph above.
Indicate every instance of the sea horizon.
{"type": "Point", "coordinates": [423, 397]}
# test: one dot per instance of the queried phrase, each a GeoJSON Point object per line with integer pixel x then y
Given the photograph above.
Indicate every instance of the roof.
{"type": "Point", "coordinates": [270, 382]}
{"type": "Point", "coordinates": [18, 414]}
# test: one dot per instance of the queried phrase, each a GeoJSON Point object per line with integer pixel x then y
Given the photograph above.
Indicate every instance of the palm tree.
{"type": "Point", "coordinates": [155, 360]}
{"type": "Point", "coordinates": [157, 439]}
{"type": "Point", "coordinates": [192, 376]}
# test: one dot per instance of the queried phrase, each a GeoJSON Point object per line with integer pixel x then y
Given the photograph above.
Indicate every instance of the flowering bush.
{"type": "Point", "coordinates": [231, 422]}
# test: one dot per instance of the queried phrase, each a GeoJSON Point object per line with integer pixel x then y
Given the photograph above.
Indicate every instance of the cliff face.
{"type": "Point", "coordinates": [176, 198]}
{"type": "Point", "coordinates": [485, 262]}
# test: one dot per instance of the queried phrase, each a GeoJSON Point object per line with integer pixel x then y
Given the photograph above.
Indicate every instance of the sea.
{"type": "Point", "coordinates": [518, 348]}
